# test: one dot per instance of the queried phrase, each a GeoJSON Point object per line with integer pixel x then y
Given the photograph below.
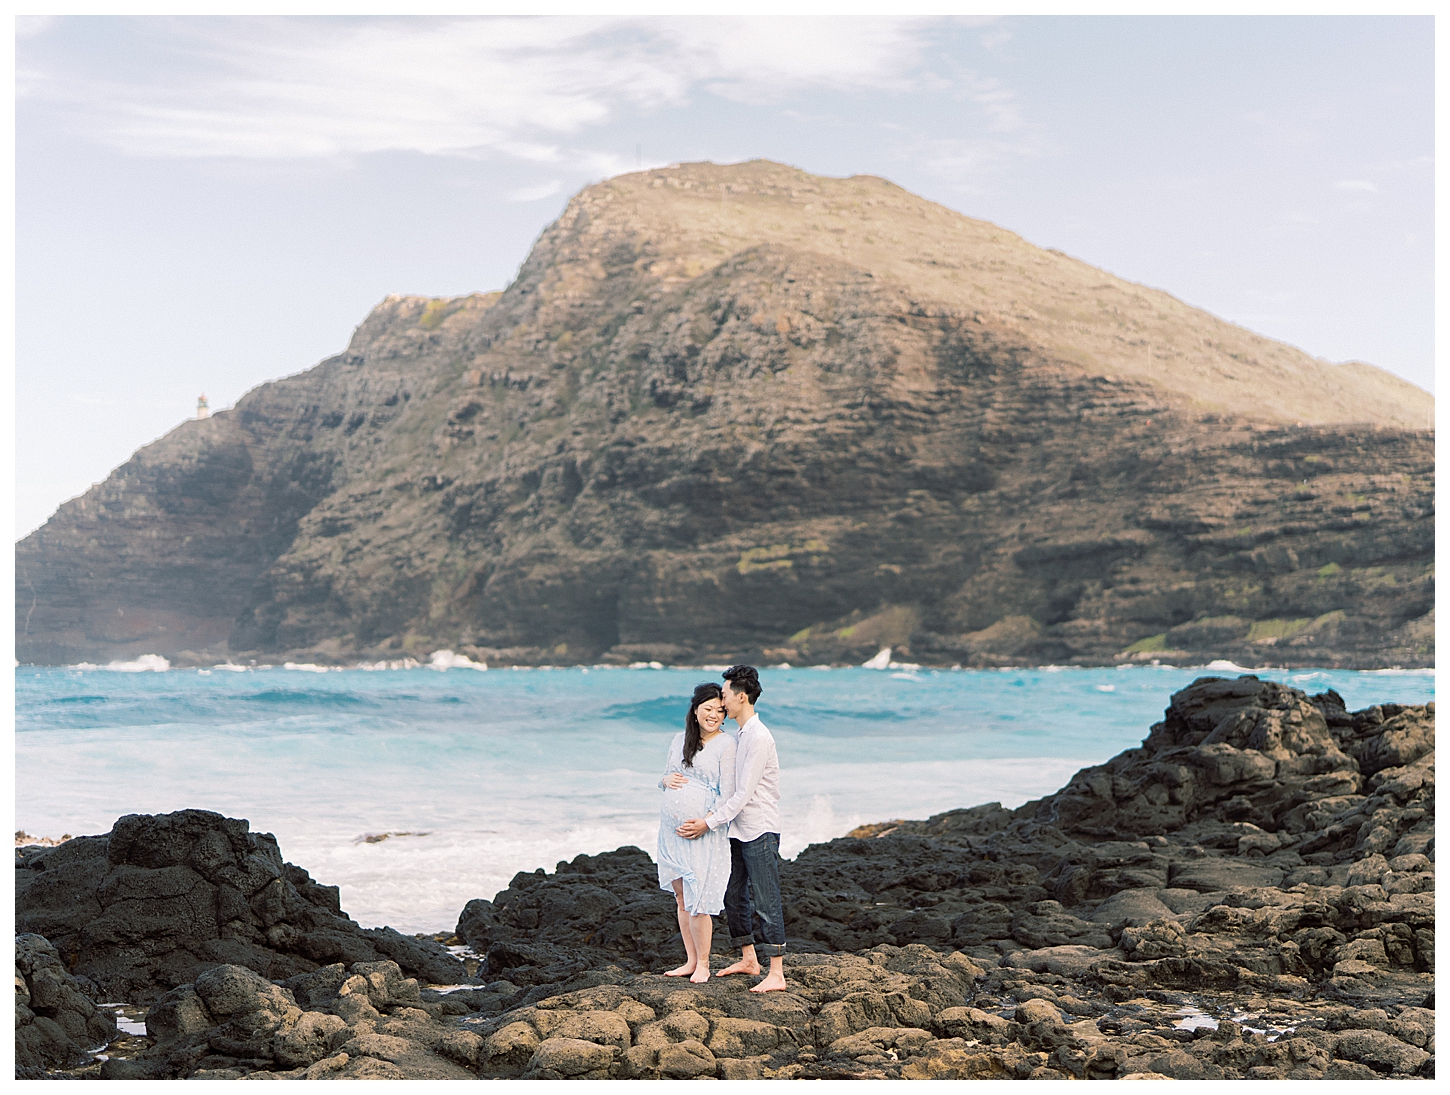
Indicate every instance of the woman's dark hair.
{"type": "Point", "coordinates": [704, 693]}
{"type": "Point", "coordinates": [744, 678]}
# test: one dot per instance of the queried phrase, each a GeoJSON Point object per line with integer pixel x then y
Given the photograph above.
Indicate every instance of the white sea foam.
{"type": "Point", "coordinates": [446, 659]}
{"type": "Point", "coordinates": [475, 845]}
{"type": "Point", "coordinates": [423, 882]}
{"type": "Point", "coordinates": [1222, 666]}
{"type": "Point", "coordinates": [507, 772]}
{"type": "Point", "coordinates": [146, 663]}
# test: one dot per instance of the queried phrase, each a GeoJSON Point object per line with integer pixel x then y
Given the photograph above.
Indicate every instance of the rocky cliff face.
{"type": "Point", "coordinates": [748, 412]}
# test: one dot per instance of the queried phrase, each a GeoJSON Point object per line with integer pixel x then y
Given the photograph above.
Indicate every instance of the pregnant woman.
{"type": "Point", "coordinates": [699, 772]}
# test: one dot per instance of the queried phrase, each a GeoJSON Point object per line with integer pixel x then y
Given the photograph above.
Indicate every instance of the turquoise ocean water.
{"type": "Point", "coordinates": [487, 773]}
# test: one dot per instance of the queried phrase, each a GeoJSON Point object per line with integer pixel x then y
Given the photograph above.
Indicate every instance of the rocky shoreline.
{"type": "Point", "coordinates": [1249, 894]}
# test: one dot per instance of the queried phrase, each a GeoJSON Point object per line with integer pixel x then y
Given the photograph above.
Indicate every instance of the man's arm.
{"type": "Point", "coordinates": [755, 758]}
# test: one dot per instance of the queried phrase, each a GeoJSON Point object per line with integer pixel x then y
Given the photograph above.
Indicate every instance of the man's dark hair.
{"type": "Point", "coordinates": [744, 678]}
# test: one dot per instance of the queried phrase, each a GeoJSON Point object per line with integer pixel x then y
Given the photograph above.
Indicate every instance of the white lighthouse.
{"type": "Point", "coordinates": [202, 410]}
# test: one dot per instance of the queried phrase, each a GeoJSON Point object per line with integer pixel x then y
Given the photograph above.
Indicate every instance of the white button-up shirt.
{"type": "Point", "coordinates": [754, 808]}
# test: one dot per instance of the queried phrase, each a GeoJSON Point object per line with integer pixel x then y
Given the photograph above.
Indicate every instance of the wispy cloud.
{"type": "Point", "coordinates": [271, 88]}
{"type": "Point", "coordinates": [1356, 184]}
{"type": "Point", "coordinates": [998, 103]}
{"type": "Point", "coordinates": [536, 193]}
{"type": "Point", "coordinates": [966, 159]}
{"type": "Point", "coordinates": [995, 37]}
{"type": "Point", "coordinates": [1000, 135]}
{"type": "Point", "coordinates": [28, 26]}
{"type": "Point", "coordinates": [1264, 296]}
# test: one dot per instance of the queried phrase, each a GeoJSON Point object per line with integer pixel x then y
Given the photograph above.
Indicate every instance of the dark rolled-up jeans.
{"type": "Point", "coordinates": [753, 910]}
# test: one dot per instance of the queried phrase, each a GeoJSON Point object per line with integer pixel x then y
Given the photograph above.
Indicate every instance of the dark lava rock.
{"type": "Point", "coordinates": [591, 912]}
{"type": "Point", "coordinates": [163, 897]}
{"type": "Point", "coordinates": [363, 1021]}
{"type": "Point", "coordinates": [1238, 837]}
{"type": "Point", "coordinates": [426, 959]}
{"type": "Point", "coordinates": [56, 1024]}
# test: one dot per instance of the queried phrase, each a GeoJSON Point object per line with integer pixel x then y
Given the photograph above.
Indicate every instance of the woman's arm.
{"type": "Point", "coordinates": [674, 760]}
{"type": "Point", "coordinates": [725, 778]}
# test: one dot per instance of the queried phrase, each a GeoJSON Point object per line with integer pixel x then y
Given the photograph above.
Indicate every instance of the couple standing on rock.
{"type": "Point", "coordinates": [719, 839]}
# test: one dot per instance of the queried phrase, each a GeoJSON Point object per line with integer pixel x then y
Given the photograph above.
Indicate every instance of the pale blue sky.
{"type": "Point", "coordinates": [203, 204]}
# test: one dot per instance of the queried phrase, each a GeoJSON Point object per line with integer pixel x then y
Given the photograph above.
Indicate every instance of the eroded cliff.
{"type": "Point", "coordinates": [746, 412]}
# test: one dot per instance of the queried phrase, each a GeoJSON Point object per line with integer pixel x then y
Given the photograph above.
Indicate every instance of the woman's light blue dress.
{"type": "Point", "coordinates": [703, 863]}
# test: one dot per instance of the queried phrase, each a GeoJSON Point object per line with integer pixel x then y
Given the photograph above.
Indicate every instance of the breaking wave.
{"type": "Point", "coordinates": [146, 663]}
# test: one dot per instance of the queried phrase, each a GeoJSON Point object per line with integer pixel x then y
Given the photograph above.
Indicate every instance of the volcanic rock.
{"type": "Point", "coordinates": [56, 1024]}
{"type": "Point", "coordinates": [163, 897]}
{"type": "Point", "coordinates": [878, 422]}
{"type": "Point", "coordinates": [1232, 855]}
{"type": "Point", "coordinates": [591, 912]}
{"type": "Point", "coordinates": [364, 1021]}
{"type": "Point", "coordinates": [844, 1016]}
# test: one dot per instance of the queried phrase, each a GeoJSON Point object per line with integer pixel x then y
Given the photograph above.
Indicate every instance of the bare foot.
{"type": "Point", "coordinates": [772, 983]}
{"type": "Point", "coordinates": [701, 975]}
{"type": "Point", "coordinates": [683, 971]}
{"type": "Point", "coordinates": [740, 967]}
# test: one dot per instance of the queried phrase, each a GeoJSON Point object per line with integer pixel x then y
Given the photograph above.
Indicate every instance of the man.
{"type": "Point", "coordinates": [753, 908]}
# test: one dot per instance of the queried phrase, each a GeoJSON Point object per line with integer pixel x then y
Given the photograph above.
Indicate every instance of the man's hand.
{"type": "Point", "coordinates": [674, 781]}
{"type": "Point", "coordinates": [693, 829]}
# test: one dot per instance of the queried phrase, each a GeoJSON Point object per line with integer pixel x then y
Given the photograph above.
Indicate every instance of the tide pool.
{"type": "Point", "coordinates": [418, 789]}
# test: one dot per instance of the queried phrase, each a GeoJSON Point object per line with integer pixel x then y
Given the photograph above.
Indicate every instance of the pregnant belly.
{"type": "Point", "coordinates": [691, 800]}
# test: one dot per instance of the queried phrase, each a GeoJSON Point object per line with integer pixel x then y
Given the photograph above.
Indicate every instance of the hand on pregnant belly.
{"type": "Point", "coordinates": [691, 800]}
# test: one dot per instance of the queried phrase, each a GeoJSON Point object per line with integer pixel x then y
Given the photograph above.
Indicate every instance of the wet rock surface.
{"type": "Point", "coordinates": [1248, 895]}
{"type": "Point", "coordinates": [57, 1024]}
